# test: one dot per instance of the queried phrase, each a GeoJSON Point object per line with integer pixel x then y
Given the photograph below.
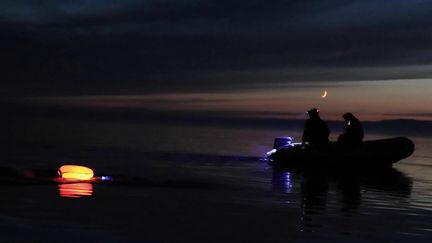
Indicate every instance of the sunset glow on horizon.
{"type": "Point", "coordinates": [369, 100]}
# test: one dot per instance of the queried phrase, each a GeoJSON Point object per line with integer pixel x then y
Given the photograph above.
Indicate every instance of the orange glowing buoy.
{"type": "Point", "coordinates": [75, 172]}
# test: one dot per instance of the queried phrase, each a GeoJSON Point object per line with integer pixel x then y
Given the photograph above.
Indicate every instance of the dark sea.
{"type": "Point", "coordinates": [200, 183]}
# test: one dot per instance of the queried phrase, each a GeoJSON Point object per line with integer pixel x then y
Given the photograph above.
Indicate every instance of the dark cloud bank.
{"type": "Point", "coordinates": [102, 47]}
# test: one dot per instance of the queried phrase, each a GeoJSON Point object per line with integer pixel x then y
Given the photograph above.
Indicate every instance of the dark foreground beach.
{"type": "Point", "coordinates": [206, 185]}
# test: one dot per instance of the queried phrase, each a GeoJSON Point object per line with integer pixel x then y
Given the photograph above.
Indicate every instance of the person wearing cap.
{"type": "Point", "coordinates": [316, 131]}
{"type": "Point", "coordinates": [354, 133]}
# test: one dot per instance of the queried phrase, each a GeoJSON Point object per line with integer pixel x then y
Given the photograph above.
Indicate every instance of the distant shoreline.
{"type": "Point", "coordinates": [25, 114]}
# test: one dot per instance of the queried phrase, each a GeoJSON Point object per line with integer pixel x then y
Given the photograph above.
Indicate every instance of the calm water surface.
{"type": "Point", "coordinates": [208, 185]}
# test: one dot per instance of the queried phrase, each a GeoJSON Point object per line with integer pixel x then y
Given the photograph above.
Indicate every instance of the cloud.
{"type": "Point", "coordinates": [284, 19]}
{"type": "Point", "coordinates": [146, 46]}
{"type": "Point", "coordinates": [209, 17]}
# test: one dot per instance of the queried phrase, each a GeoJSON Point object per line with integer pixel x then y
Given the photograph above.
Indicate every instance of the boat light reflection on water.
{"type": "Point", "coordinates": [288, 182]}
{"type": "Point", "coordinates": [282, 182]}
{"type": "Point", "coordinates": [75, 190]}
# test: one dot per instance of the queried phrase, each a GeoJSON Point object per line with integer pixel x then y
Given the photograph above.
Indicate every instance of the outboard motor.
{"type": "Point", "coordinates": [283, 142]}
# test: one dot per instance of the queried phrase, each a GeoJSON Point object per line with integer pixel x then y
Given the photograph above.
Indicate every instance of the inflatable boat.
{"type": "Point", "coordinates": [368, 154]}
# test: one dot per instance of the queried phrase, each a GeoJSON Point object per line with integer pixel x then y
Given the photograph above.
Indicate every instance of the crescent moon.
{"type": "Point", "coordinates": [325, 94]}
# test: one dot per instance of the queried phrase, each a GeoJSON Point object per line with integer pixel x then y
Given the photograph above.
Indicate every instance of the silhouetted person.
{"type": "Point", "coordinates": [316, 131]}
{"type": "Point", "coordinates": [353, 130]}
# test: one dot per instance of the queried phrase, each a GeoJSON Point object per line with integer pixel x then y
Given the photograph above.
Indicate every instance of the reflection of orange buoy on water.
{"type": "Point", "coordinates": [75, 172]}
{"type": "Point", "coordinates": [75, 190]}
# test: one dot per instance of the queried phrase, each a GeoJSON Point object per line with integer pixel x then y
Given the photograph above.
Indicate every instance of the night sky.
{"type": "Point", "coordinates": [271, 58]}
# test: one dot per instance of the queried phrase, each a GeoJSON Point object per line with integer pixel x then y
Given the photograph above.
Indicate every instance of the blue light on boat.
{"type": "Point", "coordinates": [106, 178]}
{"type": "Point", "coordinates": [271, 152]}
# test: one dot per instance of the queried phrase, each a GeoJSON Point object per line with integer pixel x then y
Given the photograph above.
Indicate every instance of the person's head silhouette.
{"type": "Point", "coordinates": [314, 112]}
{"type": "Point", "coordinates": [348, 116]}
